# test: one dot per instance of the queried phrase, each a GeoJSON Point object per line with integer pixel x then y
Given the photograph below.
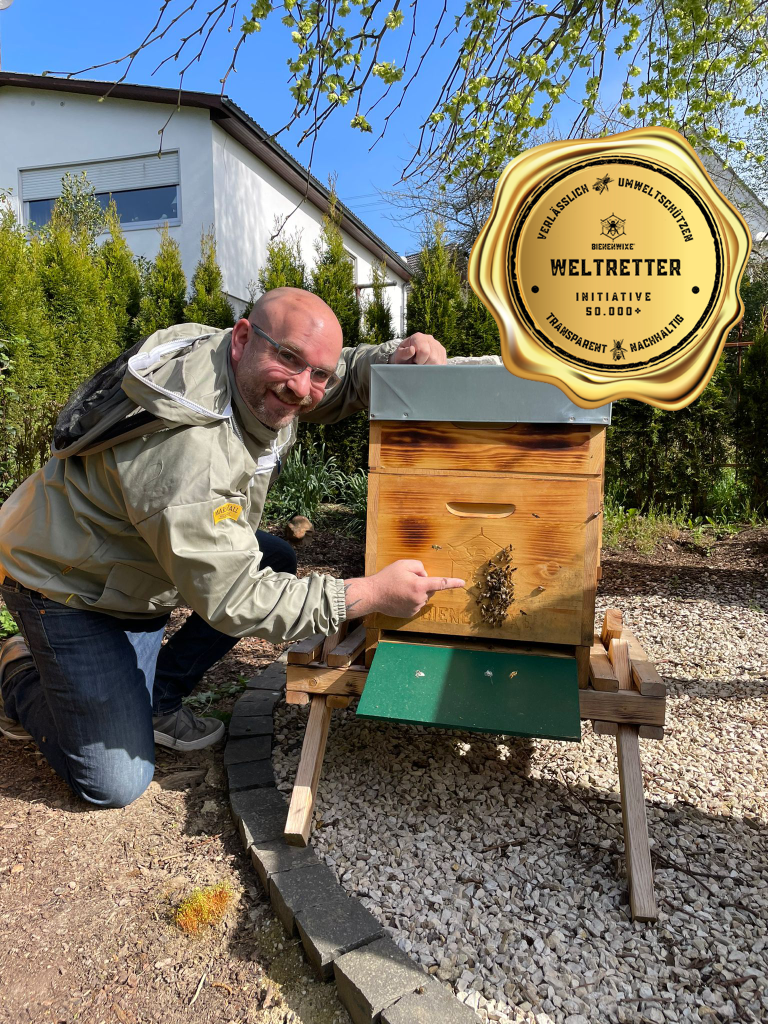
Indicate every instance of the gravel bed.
{"type": "Point", "coordinates": [497, 863]}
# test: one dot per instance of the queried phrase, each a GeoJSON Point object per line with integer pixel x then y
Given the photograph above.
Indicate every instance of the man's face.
{"type": "Point", "coordinates": [269, 390]}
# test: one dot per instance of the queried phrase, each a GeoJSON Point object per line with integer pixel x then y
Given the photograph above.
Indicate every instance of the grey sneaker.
{"type": "Point", "coordinates": [11, 650]}
{"type": "Point", "coordinates": [181, 730]}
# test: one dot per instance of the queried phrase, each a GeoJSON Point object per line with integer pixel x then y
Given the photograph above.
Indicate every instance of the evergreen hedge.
{"type": "Point", "coordinates": [439, 303]}
{"type": "Point", "coordinates": [71, 300]}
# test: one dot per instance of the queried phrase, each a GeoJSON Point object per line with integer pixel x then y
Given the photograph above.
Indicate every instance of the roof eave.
{"type": "Point", "coordinates": [235, 122]}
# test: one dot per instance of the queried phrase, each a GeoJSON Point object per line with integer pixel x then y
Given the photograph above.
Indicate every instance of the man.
{"type": "Point", "coordinates": [152, 499]}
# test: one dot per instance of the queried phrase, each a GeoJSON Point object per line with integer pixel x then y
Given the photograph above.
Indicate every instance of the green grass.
{"type": "Point", "coordinates": [644, 531]}
{"type": "Point", "coordinates": [308, 481]}
{"type": "Point", "coordinates": [727, 512]}
{"type": "Point", "coordinates": [8, 626]}
{"type": "Point", "coordinates": [312, 485]}
{"type": "Point", "coordinates": [203, 702]}
{"type": "Point", "coordinates": [628, 527]}
{"type": "Point", "coordinates": [728, 501]}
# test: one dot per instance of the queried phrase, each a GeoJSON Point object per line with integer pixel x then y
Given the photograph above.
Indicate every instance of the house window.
{"type": "Point", "coordinates": [353, 260]}
{"type": "Point", "coordinates": [145, 189]}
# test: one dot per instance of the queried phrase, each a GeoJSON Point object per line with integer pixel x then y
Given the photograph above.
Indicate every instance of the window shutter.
{"type": "Point", "coordinates": [105, 175]}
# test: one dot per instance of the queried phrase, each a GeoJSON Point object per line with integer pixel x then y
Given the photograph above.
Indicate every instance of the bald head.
{"type": "Point", "coordinates": [296, 320]}
{"type": "Point", "coordinates": [286, 312]}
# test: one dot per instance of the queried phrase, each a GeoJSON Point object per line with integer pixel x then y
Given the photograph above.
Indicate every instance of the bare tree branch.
{"type": "Point", "coordinates": [513, 62]}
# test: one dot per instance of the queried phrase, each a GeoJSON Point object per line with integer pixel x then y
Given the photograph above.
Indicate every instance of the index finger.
{"type": "Point", "coordinates": [435, 583]}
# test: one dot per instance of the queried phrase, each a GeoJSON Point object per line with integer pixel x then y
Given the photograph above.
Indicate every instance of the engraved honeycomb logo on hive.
{"type": "Point", "coordinates": [468, 556]}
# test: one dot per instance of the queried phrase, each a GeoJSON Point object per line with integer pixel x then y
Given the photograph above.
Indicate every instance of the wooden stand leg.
{"type": "Point", "coordinates": [638, 851]}
{"type": "Point", "coordinates": [307, 777]}
{"type": "Point", "coordinates": [582, 665]}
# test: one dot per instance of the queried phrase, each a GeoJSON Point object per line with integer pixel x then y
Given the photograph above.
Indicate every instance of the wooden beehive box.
{"type": "Point", "coordinates": [466, 460]}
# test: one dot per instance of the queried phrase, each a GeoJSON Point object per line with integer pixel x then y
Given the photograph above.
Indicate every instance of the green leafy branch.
{"type": "Point", "coordinates": [683, 63]}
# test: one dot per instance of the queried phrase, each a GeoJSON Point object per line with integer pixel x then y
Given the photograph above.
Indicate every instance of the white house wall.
{"type": "Point", "coordinates": [745, 201]}
{"type": "Point", "coordinates": [249, 196]}
{"type": "Point", "coordinates": [43, 129]}
{"type": "Point", "coordinates": [221, 182]}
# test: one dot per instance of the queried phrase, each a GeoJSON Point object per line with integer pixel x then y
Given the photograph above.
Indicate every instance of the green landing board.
{"type": "Point", "coordinates": [481, 691]}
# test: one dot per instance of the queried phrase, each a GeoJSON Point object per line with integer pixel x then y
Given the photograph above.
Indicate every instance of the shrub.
{"type": "Point", "coordinates": [208, 304]}
{"type": "Point", "coordinates": [309, 479]}
{"type": "Point", "coordinates": [164, 288]}
{"type": "Point", "coordinates": [377, 315]}
{"type": "Point", "coordinates": [82, 334]}
{"type": "Point", "coordinates": [333, 277]}
{"type": "Point", "coordinates": [670, 460]}
{"type": "Point", "coordinates": [62, 316]}
{"type": "Point", "coordinates": [22, 309]}
{"type": "Point", "coordinates": [753, 418]}
{"type": "Point", "coordinates": [476, 330]}
{"type": "Point", "coordinates": [312, 485]}
{"type": "Point", "coordinates": [78, 208]}
{"type": "Point", "coordinates": [435, 294]}
{"type": "Point", "coordinates": [123, 281]}
{"type": "Point", "coordinates": [28, 409]}
{"type": "Point", "coordinates": [285, 265]}
{"type": "Point", "coordinates": [354, 497]}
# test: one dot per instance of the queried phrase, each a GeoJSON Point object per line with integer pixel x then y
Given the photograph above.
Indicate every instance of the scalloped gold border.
{"type": "Point", "coordinates": [672, 384]}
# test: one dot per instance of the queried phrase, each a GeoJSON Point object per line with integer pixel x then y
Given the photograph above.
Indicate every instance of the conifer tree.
{"type": "Point", "coordinates": [476, 330]}
{"type": "Point", "coordinates": [377, 315]}
{"type": "Point", "coordinates": [78, 208]}
{"type": "Point", "coordinates": [434, 298]}
{"type": "Point", "coordinates": [123, 280]}
{"type": "Point", "coordinates": [164, 288]}
{"type": "Point", "coordinates": [753, 418]}
{"type": "Point", "coordinates": [333, 277]}
{"type": "Point", "coordinates": [22, 312]}
{"type": "Point", "coordinates": [670, 459]}
{"type": "Point", "coordinates": [26, 358]}
{"type": "Point", "coordinates": [67, 333]}
{"type": "Point", "coordinates": [208, 304]}
{"type": "Point", "coordinates": [285, 264]}
{"type": "Point", "coordinates": [73, 278]}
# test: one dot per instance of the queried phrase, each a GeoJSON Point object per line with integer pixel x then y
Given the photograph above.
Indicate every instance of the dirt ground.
{"type": "Point", "coordinates": [86, 896]}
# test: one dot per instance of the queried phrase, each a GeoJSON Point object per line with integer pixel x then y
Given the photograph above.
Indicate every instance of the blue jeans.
{"type": "Point", "coordinates": [97, 680]}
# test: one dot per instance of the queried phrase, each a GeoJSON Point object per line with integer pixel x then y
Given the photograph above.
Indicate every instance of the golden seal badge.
{"type": "Point", "coordinates": [612, 268]}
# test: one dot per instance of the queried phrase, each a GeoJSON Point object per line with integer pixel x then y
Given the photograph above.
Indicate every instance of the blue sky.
{"type": "Point", "coordinates": [40, 35]}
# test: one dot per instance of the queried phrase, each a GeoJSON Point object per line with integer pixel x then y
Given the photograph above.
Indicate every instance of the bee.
{"type": "Point", "coordinates": [601, 185]}
{"type": "Point", "coordinates": [495, 590]}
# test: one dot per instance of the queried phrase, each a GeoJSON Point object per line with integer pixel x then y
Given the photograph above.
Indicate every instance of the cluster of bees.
{"type": "Point", "coordinates": [496, 588]}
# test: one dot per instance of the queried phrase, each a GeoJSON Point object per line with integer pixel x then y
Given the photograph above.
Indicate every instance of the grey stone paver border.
{"type": "Point", "coordinates": [375, 980]}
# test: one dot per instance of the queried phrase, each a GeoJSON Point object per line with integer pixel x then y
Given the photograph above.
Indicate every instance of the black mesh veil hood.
{"type": "Point", "coordinates": [98, 410]}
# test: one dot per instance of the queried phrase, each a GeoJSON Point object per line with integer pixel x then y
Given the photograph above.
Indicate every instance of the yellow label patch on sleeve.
{"type": "Point", "coordinates": [228, 511]}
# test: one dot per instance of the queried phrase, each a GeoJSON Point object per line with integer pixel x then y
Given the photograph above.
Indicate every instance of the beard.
{"type": "Point", "coordinates": [268, 412]}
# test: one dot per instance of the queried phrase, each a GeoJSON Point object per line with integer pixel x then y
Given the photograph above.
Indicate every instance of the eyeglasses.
{"type": "Point", "coordinates": [293, 362]}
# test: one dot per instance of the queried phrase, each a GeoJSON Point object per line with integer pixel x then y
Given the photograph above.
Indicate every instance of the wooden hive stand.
{"type": "Point", "coordinates": [625, 697]}
{"type": "Point", "coordinates": [454, 495]}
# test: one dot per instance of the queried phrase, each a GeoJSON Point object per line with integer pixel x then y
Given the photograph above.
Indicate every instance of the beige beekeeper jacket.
{"type": "Point", "coordinates": [168, 518]}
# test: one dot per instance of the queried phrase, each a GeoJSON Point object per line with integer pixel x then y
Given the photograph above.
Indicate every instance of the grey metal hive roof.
{"type": "Point", "coordinates": [471, 394]}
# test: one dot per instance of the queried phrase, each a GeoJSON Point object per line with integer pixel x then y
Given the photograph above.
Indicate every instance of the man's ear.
{"type": "Point", "coordinates": [240, 334]}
